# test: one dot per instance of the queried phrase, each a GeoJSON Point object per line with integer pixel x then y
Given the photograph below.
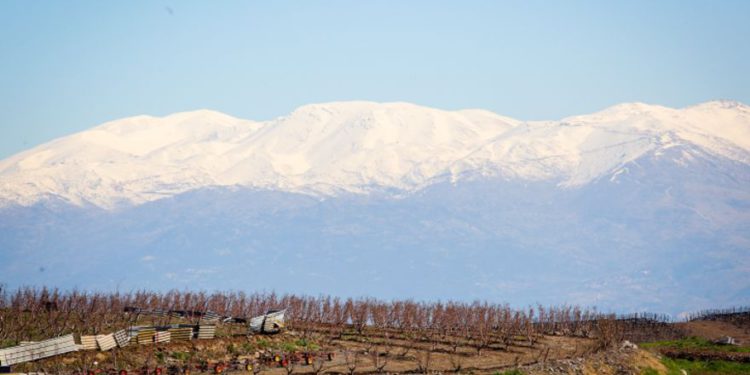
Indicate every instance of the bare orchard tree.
{"type": "Point", "coordinates": [529, 329]}
{"type": "Point", "coordinates": [456, 361]}
{"type": "Point", "coordinates": [291, 364]}
{"type": "Point", "coordinates": [350, 357]}
{"type": "Point", "coordinates": [359, 313]}
{"type": "Point", "coordinates": [337, 320]}
{"type": "Point", "coordinates": [608, 331]}
{"type": "Point", "coordinates": [424, 357]}
{"type": "Point", "coordinates": [379, 358]}
{"type": "Point", "coordinates": [483, 328]}
{"type": "Point", "coordinates": [318, 366]}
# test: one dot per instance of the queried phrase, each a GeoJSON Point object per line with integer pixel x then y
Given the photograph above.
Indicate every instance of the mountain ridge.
{"type": "Point", "coordinates": [358, 147]}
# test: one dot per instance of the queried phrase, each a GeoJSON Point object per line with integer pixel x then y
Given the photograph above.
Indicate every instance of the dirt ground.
{"type": "Point", "coordinates": [617, 361]}
{"type": "Point", "coordinates": [399, 356]}
{"type": "Point", "coordinates": [362, 354]}
{"type": "Point", "coordinates": [712, 330]}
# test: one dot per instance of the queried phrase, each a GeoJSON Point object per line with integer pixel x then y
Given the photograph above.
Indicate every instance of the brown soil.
{"type": "Point", "coordinates": [611, 362]}
{"type": "Point", "coordinates": [549, 355]}
{"type": "Point", "coordinates": [710, 329]}
{"type": "Point", "coordinates": [402, 356]}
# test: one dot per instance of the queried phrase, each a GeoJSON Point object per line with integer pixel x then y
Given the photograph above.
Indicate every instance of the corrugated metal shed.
{"type": "Point", "coordinates": [210, 317]}
{"type": "Point", "coordinates": [206, 332]}
{"type": "Point", "coordinates": [42, 349]}
{"type": "Point", "coordinates": [162, 336]}
{"type": "Point", "coordinates": [146, 335]}
{"type": "Point", "coordinates": [181, 334]}
{"type": "Point", "coordinates": [88, 343]}
{"type": "Point", "coordinates": [106, 342]}
{"type": "Point", "coordinates": [122, 338]}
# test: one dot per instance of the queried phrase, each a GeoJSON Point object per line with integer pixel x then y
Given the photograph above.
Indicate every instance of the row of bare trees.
{"type": "Point", "coordinates": [37, 313]}
{"type": "Point", "coordinates": [739, 316]}
{"type": "Point", "coordinates": [454, 324]}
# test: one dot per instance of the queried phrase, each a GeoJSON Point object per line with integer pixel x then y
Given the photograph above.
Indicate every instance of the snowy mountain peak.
{"type": "Point", "coordinates": [358, 147]}
{"type": "Point", "coordinates": [721, 104]}
{"type": "Point", "coordinates": [636, 108]}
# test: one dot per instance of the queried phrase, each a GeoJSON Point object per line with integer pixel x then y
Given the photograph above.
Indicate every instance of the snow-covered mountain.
{"type": "Point", "coordinates": [360, 147]}
{"type": "Point", "coordinates": [636, 207]}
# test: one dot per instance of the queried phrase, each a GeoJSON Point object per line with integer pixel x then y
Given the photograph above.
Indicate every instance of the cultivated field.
{"type": "Point", "coordinates": [362, 336]}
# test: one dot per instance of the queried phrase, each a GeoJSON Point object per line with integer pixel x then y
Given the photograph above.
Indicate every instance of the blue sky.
{"type": "Point", "coordinates": [67, 66]}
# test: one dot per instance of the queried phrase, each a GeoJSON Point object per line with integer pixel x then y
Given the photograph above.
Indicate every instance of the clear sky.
{"type": "Point", "coordinates": [69, 65]}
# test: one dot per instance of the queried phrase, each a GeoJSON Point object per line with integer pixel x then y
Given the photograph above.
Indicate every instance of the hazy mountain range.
{"type": "Point", "coordinates": [636, 207]}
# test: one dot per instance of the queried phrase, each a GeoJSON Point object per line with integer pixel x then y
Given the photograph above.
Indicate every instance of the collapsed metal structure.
{"type": "Point", "coordinates": [269, 323]}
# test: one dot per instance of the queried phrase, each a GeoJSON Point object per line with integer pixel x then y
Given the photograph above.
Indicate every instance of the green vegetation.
{"type": "Point", "coordinates": [248, 347]}
{"type": "Point", "coordinates": [232, 349]}
{"type": "Point", "coordinates": [696, 343]}
{"type": "Point", "coordinates": [675, 367]}
{"type": "Point", "coordinates": [160, 357]}
{"type": "Point", "coordinates": [181, 356]}
{"type": "Point", "coordinates": [307, 345]}
{"type": "Point", "coordinates": [649, 371]}
{"type": "Point", "coordinates": [289, 347]}
{"type": "Point", "coordinates": [263, 344]}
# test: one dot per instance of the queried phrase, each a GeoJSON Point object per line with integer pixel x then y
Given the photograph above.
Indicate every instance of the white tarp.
{"type": "Point", "coordinates": [271, 322]}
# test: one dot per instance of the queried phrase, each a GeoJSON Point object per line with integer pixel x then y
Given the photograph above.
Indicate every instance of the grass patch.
{"type": "Point", "coordinates": [263, 344]}
{"type": "Point", "coordinates": [696, 343]}
{"type": "Point", "coordinates": [160, 357]}
{"type": "Point", "coordinates": [674, 367]}
{"type": "Point", "coordinates": [181, 356]}
{"type": "Point", "coordinates": [289, 347]}
{"type": "Point", "coordinates": [248, 347]}
{"type": "Point", "coordinates": [306, 345]}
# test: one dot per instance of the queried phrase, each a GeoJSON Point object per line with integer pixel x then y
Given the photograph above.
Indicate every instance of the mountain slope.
{"type": "Point", "coordinates": [356, 147]}
{"type": "Point", "coordinates": [633, 208]}
{"type": "Point", "coordinates": [657, 238]}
